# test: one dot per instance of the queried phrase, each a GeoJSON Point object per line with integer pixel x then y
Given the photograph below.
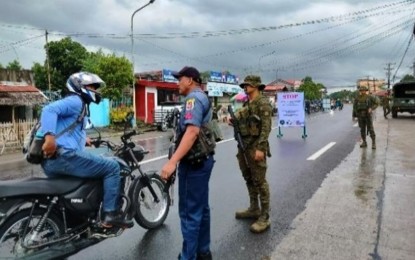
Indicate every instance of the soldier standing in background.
{"type": "Point", "coordinates": [386, 104]}
{"type": "Point", "coordinates": [255, 125]}
{"type": "Point", "coordinates": [363, 107]}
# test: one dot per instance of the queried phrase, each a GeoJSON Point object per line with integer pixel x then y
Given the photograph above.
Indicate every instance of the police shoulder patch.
{"type": "Point", "coordinates": [190, 104]}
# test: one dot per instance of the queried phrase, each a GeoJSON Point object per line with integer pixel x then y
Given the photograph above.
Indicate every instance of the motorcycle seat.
{"type": "Point", "coordinates": [41, 186]}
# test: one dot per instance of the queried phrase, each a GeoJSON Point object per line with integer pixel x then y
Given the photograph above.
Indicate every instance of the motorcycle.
{"type": "Point", "coordinates": [44, 218]}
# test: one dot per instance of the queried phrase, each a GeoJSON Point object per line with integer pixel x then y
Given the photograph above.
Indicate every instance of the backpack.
{"type": "Point", "coordinates": [33, 143]}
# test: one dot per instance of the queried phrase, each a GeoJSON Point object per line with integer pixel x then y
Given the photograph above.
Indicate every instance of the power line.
{"type": "Point", "coordinates": [403, 57]}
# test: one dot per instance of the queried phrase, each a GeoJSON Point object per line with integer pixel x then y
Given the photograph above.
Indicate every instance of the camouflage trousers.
{"type": "Point", "coordinates": [366, 126]}
{"type": "Point", "coordinates": [386, 110]}
{"type": "Point", "coordinates": [255, 179]}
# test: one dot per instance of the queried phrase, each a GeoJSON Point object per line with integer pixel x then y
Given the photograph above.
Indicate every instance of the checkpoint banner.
{"type": "Point", "coordinates": [291, 109]}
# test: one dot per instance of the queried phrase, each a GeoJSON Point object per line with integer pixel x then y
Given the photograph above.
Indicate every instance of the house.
{"type": "Point", "coordinates": [278, 85]}
{"type": "Point", "coordinates": [18, 100]}
{"type": "Point", "coordinates": [374, 85]}
{"type": "Point", "coordinates": [18, 95]}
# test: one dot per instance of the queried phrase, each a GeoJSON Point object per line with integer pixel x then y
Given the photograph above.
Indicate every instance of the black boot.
{"type": "Point", "coordinates": [114, 218]}
{"type": "Point", "coordinates": [204, 256]}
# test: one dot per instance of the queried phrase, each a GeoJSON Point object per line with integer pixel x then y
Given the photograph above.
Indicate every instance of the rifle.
{"type": "Point", "coordinates": [237, 135]}
{"type": "Point", "coordinates": [173, 120]}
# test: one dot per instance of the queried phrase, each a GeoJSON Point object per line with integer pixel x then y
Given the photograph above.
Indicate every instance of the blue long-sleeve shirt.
{"type": "Point", "coordinates": [59, 115]}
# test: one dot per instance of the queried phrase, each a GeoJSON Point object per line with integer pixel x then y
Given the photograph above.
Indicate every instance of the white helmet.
{"type": "Point", "coordinates": [77, 82]}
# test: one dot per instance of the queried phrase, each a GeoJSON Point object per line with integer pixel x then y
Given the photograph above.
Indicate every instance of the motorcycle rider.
{"type": "Point", "coordinates": [66, 155]}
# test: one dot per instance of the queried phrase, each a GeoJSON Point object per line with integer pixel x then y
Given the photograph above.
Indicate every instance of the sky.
{"type": "Point", "coordinates": [334, 42]}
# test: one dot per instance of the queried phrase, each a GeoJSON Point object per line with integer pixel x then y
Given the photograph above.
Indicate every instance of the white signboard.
{"type": "Point", "coordinates": [215, 93]}
{"type": "Point", "coordinates": [217, 88]}
{"type": "Point", "coordinates": [326, 104]}
{"type": "Point", "coordinates": [291, 109]}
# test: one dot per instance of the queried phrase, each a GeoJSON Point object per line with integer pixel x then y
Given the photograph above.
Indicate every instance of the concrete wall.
{"type": "Point", "coordinates": [23, 76]}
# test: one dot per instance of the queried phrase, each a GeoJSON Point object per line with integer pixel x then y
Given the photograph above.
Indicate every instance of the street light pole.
{"type": "Point", "coordinates": [132, 54]}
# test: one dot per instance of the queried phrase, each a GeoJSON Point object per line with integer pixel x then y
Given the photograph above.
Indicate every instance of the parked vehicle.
{"type": "Point", "coordinates": [163, 113]}
{"type": "Point", "coordinates": [403, 99]}
{"type": "Point", "coordinates": [43, 218]}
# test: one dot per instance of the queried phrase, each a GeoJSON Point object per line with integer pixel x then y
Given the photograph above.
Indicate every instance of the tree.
{"type": "Point", "coordinates": [343, 95]}
{"type": "Point", "coordinates": [14, 65]}
{"type": "Point", "coordinates": [1, 66]}
{"type": "Point", "coordinates": [65, 58]}
{"type": "Point", "coordinates": [311, 90]}
{"type": "Point", "coordinates": [41, 78]}
{"type": "Point", "coordinates": [115, 71]}
{"type": "Point", "coordinates": [205, 76]}
{"type": "Point", "coordinates": [407, 77]}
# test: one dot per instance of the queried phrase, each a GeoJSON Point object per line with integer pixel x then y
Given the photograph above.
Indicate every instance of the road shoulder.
{"type": "Point", "coordinates": [364, 208]}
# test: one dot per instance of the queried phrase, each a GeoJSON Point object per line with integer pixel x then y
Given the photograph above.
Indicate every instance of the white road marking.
{"type": "Point", "coordinates": [320, 152]}
{"type": "Point", "coordinates": [154, 159]}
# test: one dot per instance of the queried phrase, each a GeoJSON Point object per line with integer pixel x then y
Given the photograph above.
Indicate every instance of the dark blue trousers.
{"type": "Point", "coordinates": [194, 208]}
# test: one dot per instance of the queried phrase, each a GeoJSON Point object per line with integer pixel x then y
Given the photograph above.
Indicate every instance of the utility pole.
{"type": "Point", "coordinates": [367, 82]}
{"type": "Point", "coordinates": [388, 73]}
{"type": "Point", "coordinates": [132, 57]}
{"type": "Point", "coordinates": [47, 60]}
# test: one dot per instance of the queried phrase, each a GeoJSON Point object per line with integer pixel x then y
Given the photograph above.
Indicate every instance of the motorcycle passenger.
{"type": "Point", "coordinates": [66, 155]}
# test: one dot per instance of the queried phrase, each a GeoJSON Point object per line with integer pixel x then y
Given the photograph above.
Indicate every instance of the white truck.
{"type": "Point", "coordinates": [162, 114]}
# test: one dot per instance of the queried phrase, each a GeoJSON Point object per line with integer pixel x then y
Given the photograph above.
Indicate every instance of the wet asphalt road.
{"type": "Point", "coordinates": [293, 180]}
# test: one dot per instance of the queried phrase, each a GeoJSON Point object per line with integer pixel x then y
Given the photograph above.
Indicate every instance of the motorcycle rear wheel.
{"type": "Point", "coordinates": [150, 214]}
{"type": "Point", "coordinates": [12, 230]}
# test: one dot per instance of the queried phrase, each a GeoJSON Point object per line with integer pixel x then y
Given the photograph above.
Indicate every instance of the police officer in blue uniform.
{"type": "Point", "coordinates": [193, 177]}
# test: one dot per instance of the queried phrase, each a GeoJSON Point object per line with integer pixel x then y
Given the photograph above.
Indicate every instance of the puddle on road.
{"type": "Point", "coordinates": [364, 178]}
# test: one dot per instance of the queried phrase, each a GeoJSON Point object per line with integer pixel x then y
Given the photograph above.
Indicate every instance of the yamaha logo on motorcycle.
{"type": "Point", "coordinates": [43, 218]}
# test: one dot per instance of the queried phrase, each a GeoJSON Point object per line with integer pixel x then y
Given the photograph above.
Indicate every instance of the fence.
{"type": "Point", "coordinates": [12, 135]}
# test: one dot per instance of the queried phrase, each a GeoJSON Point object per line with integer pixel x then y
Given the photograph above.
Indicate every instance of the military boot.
{"type": "Point", "coordinates": [261, 224]}
{"type": "Point", "coordinates": [252, 212]}
{"type": "Point", "coordinates": [363, 144]}
{"type": "Point", "coordinates": [249, 213]}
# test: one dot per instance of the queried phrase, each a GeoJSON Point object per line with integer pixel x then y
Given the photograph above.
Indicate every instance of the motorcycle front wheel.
{"type": "Point", "coordinates": [12, 242]}
{"type": "Point", "coordinates": [149, 213]}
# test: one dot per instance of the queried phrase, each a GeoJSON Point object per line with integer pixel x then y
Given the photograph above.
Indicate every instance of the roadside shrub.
{"type": "Point", "coordinates": [118, 114]}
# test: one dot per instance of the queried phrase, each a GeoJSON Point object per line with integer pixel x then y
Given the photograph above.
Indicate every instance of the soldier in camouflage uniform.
{"type": "Point", "coordinates": [255, 125]}
{"type": "Point", "coordinates": [363, 107]}
{"type": "Point", "coordinates": [386, 104]}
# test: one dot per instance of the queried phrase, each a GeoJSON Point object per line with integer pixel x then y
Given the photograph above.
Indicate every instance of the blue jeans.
{"type": "Point", "coordinates": [194, 208]}
{"type": "Point", "coordinates": [87, 165]}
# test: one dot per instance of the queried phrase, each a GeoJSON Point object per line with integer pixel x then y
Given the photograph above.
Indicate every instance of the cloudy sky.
{"type": "Point", "coordinates": [334, 42]}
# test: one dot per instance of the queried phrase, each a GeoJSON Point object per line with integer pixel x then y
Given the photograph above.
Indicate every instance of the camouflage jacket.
{"type": "Point", "coordinates": [362, 104]}
{"type": "Point", "coordinates": [255, 123]}
{"type": "Point", "coordinates": [385, 101]}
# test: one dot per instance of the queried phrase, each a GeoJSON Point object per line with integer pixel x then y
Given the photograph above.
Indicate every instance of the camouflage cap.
{"type": "Point", "coordinates": [253, 80]}
{"type": "Point", "coordinates": [363, 88]}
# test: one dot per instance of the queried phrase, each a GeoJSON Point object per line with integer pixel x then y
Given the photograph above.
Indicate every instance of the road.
{"type": "Point", "coordinates": [296, 170]}
{"type": "Point", "coordinates": [293, 180]}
